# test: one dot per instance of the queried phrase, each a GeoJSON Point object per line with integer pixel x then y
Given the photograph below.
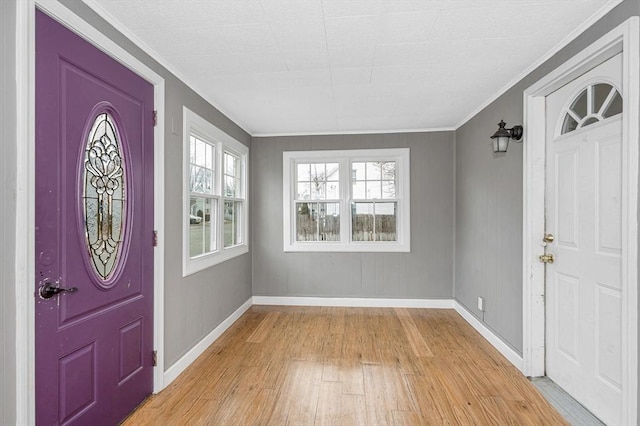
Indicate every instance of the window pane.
{"type": "Point", "coordinates": [385, 225]}
{"type": "Point", "coordinates": [388, 189]}
{"type": "Point", "coordinates": [374, 190]}
{"type": "Point", "coordinates": [229, 186]}
{"type": "Point", "coordinates": [318, 190]}
{"type": "Point", "coordinates": [569, 124]}
{"type": "Point", "coordinates": [615, 107]}
{"type": "Point", "coordinates": [333, 191]}
{"type": "Point", "coordinates": [230, 164]}
{"type": "Point", "coordinates": [359, 190]}
{"type": "Point", "coordinates": [306, 222]}
{"type": "Point", "coordinates": [579, 106]}
{"type": "Point", "coordinates": [362, 222]}
{"type": "Point", "coordinates": [329, 221]}
{"type": "Point", "coordinates": [304, 172]}
{"type": "Point", "coordinates": [589, 121]}
{"type": "Point", "coordinates": [201, 233]}
{"type": "Point", "coordinates": [358, 171]}
{"type": "Point", "coordinates": [318, 222]}
{"type": "Point", "coordinates": [389, 170]}
{"type": "Point", "coordinates": [333, 171]}
{"type": "Point", "coordinates": [373, 221]}
{"type": "Point", "coordinates": [201, 153]}
{"type": "Point", "coordinates": [201, 180]}
{"type": "Point", "coordinates": [232, 223]}
{"type": "Point", "coordinates": [373, 170]}
{"type": "Point", "coordinates": [304, 191]}
{"type": "Point", "coordinates": [318, 172]}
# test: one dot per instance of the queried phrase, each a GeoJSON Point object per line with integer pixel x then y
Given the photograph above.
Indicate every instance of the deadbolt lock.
{"type": "Point", "coordinates": [546, 258]}
{"type": "Point", "coordinates": [548, 238]}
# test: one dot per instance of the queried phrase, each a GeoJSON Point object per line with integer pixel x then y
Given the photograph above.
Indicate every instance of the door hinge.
{"type": "Point", "coordinates": [154, 358]}
{"type": "Point", "coordinates": [155, 118]}
{"type": "Point", "coordinates": [155, 238]}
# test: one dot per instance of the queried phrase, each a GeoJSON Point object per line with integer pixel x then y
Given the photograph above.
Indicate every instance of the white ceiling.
{"type": "Point", "coordinates": [338, 66]}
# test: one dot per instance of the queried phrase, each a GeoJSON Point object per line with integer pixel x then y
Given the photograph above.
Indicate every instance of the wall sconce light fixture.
{"type": "Point", "coordinates": [501, 136]}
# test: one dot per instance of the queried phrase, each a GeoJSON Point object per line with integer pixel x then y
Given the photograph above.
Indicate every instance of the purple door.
{"type": "Point", "coordinates": [94, 232]}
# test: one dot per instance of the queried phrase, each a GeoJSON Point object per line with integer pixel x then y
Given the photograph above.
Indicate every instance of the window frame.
{"type": "Point", "coordinates": [195, 125]}
{"type": "Point", "coordinates": [345, 158]}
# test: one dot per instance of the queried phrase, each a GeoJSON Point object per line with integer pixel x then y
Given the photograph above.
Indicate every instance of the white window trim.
{"type": "Point", "coordinates": [193, 123]}
{"type": "Point", "coordinates": [345, 157]}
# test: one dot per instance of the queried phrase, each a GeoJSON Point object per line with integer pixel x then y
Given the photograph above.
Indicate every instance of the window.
{"type": "Point", "coordinates": [215, 202]}
{"type": "Point", "coordinates": [595, 103]}
{"type": "Point", "coordinates": [355, 200]}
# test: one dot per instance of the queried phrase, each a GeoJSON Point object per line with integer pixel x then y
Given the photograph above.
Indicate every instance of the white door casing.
{"type": "Point", "coordinates": [622, 39]}
{"type": "Point", "coordinates": [584, 212]}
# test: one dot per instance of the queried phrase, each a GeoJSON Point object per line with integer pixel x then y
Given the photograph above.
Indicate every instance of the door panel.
{"type": "Point", "coordinates": [609, 196]}
{"type": "Point", "coordinates": [584, 212]}
{"type": "Point", "coordinates": [94, 224]}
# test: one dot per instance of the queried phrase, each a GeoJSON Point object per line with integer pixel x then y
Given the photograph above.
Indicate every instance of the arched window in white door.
{"type": "Point", "coordinates": [595, 103]}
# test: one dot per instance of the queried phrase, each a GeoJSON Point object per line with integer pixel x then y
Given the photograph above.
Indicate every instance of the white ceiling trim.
{"type": "Point", "coordinates": [111, 20]}
{"type": "Point", "coordinates": [357, 132]}
{"type": "Point", "coordinates": [555, 49]}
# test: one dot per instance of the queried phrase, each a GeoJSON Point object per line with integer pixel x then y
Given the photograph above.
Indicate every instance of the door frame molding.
{"type": "Point", "coordinates": [625, 39]}
{"type": "Point", "coordinates": [25, 194]}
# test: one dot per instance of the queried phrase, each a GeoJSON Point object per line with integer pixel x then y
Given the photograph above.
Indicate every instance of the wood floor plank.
{"type": "Point", "coordinates": [298, 397]}
{"type": "Point", "coordinates": [407, 418]}
{"type": "Point", "coordinates": [348, 366]}
{"type": "Point", "coordinates": [386, 391]}
{"type": "Point", "coordinates": [424, 390]}
{"type": "Point", "coordinates": [419, 346]}
{"type": "Point", "coordinates": [329, 409]}
{"type": "Point", "coordinates": [354, 409]}
{"type": "Point", "coordinates": [264, 328]}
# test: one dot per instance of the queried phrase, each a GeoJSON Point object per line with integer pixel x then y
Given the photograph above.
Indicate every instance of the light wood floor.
{"type": "Point", "coordinates": [348, 366]}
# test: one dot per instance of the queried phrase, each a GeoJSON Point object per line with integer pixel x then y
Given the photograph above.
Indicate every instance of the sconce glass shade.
{"type": "Point", "coordinates": [501, 136]}
{"type": "Point", "coordinates": [500, 143]}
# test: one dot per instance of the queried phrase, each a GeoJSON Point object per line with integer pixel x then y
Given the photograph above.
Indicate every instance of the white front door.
{"type": "Point", "coordinates": [584, 215]}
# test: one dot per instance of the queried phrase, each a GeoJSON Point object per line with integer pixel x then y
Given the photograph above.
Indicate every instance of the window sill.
{"type": "Point", "coordinates": [200, 263]}
{"type": "Point", "coordinates": [328, 247]}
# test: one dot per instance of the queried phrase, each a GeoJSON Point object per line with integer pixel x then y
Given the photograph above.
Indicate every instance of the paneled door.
{"type": "Point", "coordinates": [94, 232]}
{"type": "Point", "coordinates": [584, 225]}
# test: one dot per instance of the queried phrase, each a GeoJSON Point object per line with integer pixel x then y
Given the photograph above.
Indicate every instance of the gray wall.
{"type": "Point", "coordinates": [8, 161]}
{"type": "Point", "coordinates": [194, 305]}
{"type": "Point", "coordinates": [426, 272]}
{"type": "Point", "coordinates": [489, 198]}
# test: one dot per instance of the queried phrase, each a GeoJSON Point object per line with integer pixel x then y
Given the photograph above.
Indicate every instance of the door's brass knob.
{"type": "Point", "coordinates": [548, 238]}
{"type": "Point", "coordinates": [546, 258]}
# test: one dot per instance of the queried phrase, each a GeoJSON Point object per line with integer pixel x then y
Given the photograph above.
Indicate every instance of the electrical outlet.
{"type": "Point", "coordinates": [481, 304]}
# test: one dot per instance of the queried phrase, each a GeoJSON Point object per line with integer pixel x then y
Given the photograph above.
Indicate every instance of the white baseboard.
{"type": "Point", "coordinates": [355, 302]}
{"type": "Point", "coordinates": [188, 358]}
{"type": "Point", "coordinates": [511, 355]}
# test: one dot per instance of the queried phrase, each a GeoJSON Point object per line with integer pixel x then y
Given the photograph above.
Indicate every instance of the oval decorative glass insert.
{"type": "Point", "coordinates": [104, 196]}
{"type": "Point", "coordinates": [595, 103]}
